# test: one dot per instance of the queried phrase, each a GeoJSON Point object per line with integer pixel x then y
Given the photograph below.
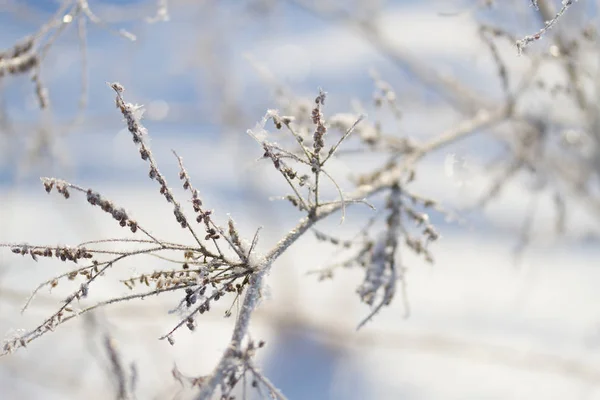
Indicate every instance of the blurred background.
{"type": "Point", "coordinates": [510, 309]}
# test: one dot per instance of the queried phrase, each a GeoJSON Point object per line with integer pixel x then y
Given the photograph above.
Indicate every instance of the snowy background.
{"type": "Point", "coordinates": [482, 326]}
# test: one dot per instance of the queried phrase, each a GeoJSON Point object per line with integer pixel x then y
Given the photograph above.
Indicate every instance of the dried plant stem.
{"type": "Point", "coordinates": [273, 391]}
{"type": "Point", "coordinates": [482, 119]}
{"type": "Point", "coordinates": [547, 13]}
{"type": "Point", "coordinates": [549, 22]}
{"type": "Point", "coordinates": [122, 255]}
{"type": "Point", "coordinates": [253, 291]}
{"type": "Point", "coordinates": [137, 296]}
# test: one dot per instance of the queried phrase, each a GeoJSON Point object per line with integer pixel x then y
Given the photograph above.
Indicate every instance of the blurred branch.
{"type": "Point", "coordinates": [448, 87]}
{"type": "Point", "coordinates": [548, 13]}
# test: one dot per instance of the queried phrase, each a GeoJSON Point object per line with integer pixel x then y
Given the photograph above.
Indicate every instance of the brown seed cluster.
{"type": "Point", "coordinates": [203, 215]}
{"type": "Point", "coordinates": [62, 187]}
{"type": "Point", "coordinates": [64, 253]}
{"type": "Point", "coordinates": [94, 198]}
{"type": "Point", "coordinates": [23, 58]}
{"type": "Point", "coordinates": [317, 119]}
{"type": "Point", "coordinates": [138, 131]}
{"type": "Point", "coordinates": [19, 59]}
{"type": "Point", "coordinates": [278, 163]}
{"type": "Point", "coordinates": [118, 213]}
{"type": "Point", "coordinates": [166, 279]}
